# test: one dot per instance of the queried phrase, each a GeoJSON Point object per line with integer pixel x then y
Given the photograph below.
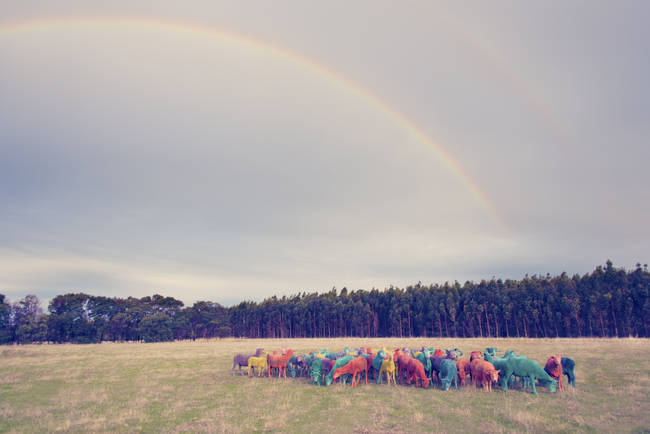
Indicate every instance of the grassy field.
{"type": "Point", "coordinates": [188, 386]}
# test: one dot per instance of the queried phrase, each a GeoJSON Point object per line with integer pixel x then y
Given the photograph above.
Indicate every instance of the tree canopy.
{"type": "Point", "coordinates": [608, 302]}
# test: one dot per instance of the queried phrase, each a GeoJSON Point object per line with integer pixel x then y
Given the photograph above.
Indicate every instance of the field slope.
{"type": "Point", "coordinates": [187, 386]}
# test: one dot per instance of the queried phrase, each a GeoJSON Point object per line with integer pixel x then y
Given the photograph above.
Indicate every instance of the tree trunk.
{"type": "Point", "coordinates": [517, 328]}
{"type": "Point", "coordinates": [525, 327]}
{"type": "Point", "coordinates": [614, 316]}
{"type": "Point", "coordinates": [408, 313]}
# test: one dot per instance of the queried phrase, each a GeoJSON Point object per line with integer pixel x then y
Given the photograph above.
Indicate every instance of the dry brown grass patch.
{"type": "Point", "coordinates": [187, 386]}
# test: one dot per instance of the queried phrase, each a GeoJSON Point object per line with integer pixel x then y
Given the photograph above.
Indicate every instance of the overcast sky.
{"type": "Point", "coordinates": [226, 151]}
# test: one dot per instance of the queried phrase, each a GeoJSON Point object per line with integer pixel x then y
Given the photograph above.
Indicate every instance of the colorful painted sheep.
{"type": "Point", "coordinates": [448, 374]}
{"type": "Point", "coordinates": [406, 366]}
{"type": "Point", "coordinates": [568, 367]}
{"type": "Point", "coordinates": [526, 369]}
{"type": "Point", "coordinates": [354, 367]}
{"type": "Point", "coordinates": [242, 359]}
{"type": "Point", "coordinates": [387, 367]}
{"type": "Point", "coordinates": [341, 361]}
{"type": "Point", "coordinates": [463, 368]}
{"type": "Point", "coordinates": [279, 361]}
{"type": "Point", "coordinates": [484, 374]}
{"type": "Point", "coordinates": [257, 362]}
{"type": "Point", "coordinates": [553, 368]}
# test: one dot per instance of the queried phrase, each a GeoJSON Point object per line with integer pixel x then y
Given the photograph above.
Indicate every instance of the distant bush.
{"type": "Point", "coordinates": [157, 328]}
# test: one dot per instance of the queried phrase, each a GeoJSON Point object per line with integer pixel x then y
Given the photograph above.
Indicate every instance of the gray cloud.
{"type": "Point", "coordinates": [136, 159]}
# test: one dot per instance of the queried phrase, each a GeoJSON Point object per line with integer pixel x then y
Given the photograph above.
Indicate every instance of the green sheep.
{"type": "Point", "coordinates": [340, 362]}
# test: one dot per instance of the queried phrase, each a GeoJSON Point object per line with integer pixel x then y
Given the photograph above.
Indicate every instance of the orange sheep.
{"type": "Point", "coordinates": [276, 361]}
{"type": "Point", "coordinates": [354, 367]}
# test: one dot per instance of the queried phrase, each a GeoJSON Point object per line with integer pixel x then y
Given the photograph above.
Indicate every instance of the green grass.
{"type": "Point", "coordinates": [188, 386]}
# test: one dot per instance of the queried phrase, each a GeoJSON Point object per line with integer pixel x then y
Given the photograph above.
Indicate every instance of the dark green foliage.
{"type": "Point", "coordinates": [156, 328]}
{"type": "Point", "coordinates": [607, 302]}
{"type": "Point", "coordinates": [5, 314]}
{"type": "Point", "coordinates": [34, 331]}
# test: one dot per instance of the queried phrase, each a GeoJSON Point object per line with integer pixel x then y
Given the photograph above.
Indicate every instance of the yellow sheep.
{"type": "Point", "coordinates": [257, 362]}
{"type": "Point", "coordinates": [388, 366]}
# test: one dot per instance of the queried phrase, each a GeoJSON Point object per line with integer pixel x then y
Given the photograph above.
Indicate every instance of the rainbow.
{"type": "Point", "coordinates": [302, 61]}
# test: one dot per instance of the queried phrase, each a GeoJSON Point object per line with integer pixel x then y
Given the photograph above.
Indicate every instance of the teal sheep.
{"type": "Point", "coordinates": [316, 370]}
{"type": "Point", "coordinates": [376, 363]}
{"type": "Point", "coordinates": [529, 370]}
{"type": "Point", "coordinates": [568, 366]}
{"type": "Point", "coordinates": [500, 364]}
{"type": "Point", "coordinates": [448, 374]}
{"type": "Point", "coordinates": [521, 366]}
{"type": "Point", "coordinates": [426, 362]}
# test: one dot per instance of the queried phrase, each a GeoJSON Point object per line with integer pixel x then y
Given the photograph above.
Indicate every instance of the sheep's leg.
{"type": "Point", "coordinates": [532, 384]}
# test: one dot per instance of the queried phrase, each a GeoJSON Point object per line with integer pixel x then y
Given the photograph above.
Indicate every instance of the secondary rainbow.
{"type": "Point", "coordinates": [307, 63]}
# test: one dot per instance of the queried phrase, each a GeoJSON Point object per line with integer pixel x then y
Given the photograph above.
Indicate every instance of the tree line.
{"type": "Point", "coordinates": [83, 318]}
{"type": "Point", "coordinates": [608, 302]}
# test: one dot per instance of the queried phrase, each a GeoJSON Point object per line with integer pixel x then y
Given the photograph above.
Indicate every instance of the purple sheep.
{"type": "Point", "coordinates": [327, 366]}
{"type": "Point", "coordinates": [242, 359]}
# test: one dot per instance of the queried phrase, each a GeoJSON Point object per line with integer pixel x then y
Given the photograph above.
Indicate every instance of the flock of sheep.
{"type": "Point", "coordinates": [424, 368]}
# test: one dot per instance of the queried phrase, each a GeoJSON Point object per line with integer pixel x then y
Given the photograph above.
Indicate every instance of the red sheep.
{"type": "Point", "coordinates": [400, 358]}
{"type": "Point", "coordinates": [439, 353]}
{"type": "Point", "coordinates": [415, 372]}
{"type": "Point", "coordinates": [475, 355]}
{"type": "Point", "coordinates": [554, 369]}
{"type": "Point", "coordinates": [280, 362]}
{"type": "Point", "coordinates": [463, 370]}
{"type": "Point", "coordinates": [484, 373]}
